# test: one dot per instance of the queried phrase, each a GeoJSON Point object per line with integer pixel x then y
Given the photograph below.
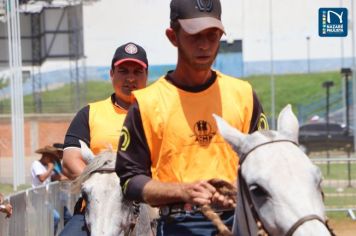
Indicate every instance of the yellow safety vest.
{"type": "Point", "coordinates": [181, 132]}
{"type": "Point", "coordinates": [105, 123]}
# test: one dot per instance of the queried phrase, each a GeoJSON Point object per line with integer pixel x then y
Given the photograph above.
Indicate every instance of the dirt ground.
{"type": "Point", "coordinates": [343, 227]}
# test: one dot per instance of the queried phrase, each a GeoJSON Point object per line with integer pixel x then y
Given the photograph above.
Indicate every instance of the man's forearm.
{"type": "Point", "coordinates": [73, 171]}
{"type": "Point", "coordinates": [73, 164]}
{"type": "Point", "coordinates": [45, 175]}
{"type": "Point", "coordinates": [157, 193]}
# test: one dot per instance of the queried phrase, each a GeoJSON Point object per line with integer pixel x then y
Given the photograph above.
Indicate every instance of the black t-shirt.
{"type": "Point", "coordinates": [78, 129]}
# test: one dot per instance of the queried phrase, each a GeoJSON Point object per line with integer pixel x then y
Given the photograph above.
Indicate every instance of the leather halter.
{"type": "Point", "coordinates": [104, 170]}
{"type": "Point", "coordinates": [245, 189]}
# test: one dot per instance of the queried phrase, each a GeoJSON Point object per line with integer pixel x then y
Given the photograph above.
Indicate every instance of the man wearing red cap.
{"type": "Point", "coordinates": [170, 147]}
{"type": "Point", "coordinates": [99, 123]}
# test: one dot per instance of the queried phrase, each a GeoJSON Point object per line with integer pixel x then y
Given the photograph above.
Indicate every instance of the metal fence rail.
{"type": "Point", "coordinates": [34, 208]}
{"type": "Point", "coordinates": [339, 182]}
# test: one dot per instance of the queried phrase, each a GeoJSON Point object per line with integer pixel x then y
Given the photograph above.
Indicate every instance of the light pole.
{"type": "Point", "coordinates": [308, 53]}
{"type": "Point", "coordinates": [17, 116]}
{"type": "Point", "coordinates": [327, 85]}
{"type": "Point", "coordinates": [347, 72]}
{"type": "Point", "coordinates": [352, 34]}
{"type": "Point", "coordinates": [273, 100]}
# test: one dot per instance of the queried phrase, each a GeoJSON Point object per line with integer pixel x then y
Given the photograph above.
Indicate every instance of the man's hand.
{"type": "Point", "coordinates": [226, 194]}
{"type": "Point", "coordinates": [50, 165]}
{"type": "Point", "coordinates": [157, 193]}
{"type": "Point", "coordinates": [200, 193]}
{"type": "Point", "coordinates": [7, 209]}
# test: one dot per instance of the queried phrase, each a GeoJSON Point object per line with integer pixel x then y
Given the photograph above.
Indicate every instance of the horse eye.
{"type": "Point", "coordinates": [257, 190]}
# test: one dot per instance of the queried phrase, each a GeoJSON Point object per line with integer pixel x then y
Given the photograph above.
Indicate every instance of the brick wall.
{"type": "Point", "coordinates": [39, 130]}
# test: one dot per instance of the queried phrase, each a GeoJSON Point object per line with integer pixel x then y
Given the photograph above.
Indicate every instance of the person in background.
{"type": "Point", "coordinates": [5, 207]}
{"type": "Point", "coordinates": [42, 171]}
{"type": "Point", "coordinates": [99, 124]}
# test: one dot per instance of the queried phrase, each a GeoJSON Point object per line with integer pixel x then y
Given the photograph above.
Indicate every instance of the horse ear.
{"type": "Point", "coordinates": [233, 136]}
{"type": "Point", "coordinates": [288, 123]}
{"type": "Point", "coordinates": [87, 154]}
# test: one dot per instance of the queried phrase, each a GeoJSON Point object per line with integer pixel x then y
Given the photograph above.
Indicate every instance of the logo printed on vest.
{"type": "Point", "coordinates": [203, 132]}
{"type": "Point", "coordinates": [262, 123]}
{"type": "Point", "coordinates": [205, 5]}
{"type": "Point", "coordinates": [126, 138]}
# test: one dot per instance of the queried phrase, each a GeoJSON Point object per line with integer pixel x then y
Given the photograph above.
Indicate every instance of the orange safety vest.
{"type": "Point", "coordinates": [105, 123]}
{"type": "Point", "coordinates": [181, 132]}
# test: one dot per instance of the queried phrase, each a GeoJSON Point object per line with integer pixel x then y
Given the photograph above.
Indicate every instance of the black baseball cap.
{"type": "Point", "coordinates": [197, 15]}
{"type": "Point", "coordinates": [130, 52]}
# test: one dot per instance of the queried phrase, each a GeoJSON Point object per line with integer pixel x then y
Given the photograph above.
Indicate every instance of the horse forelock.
{"type": "Point", "coordinates": [104, 159]}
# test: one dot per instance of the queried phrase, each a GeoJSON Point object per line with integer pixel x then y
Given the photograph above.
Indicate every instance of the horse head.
{"type": "Point", "coordinates": [107, 212]}
{"type": "Point", "coordinates": [278, 186]}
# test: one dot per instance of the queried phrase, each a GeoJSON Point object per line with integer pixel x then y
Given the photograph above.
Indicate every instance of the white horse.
{"type": "Point", "coordinates": [107, 213]}
{"type": "Point", "coordinates": [279, 188]}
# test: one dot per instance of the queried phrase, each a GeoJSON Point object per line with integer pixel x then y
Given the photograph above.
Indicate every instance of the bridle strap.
{"type": "Point", "coordinates": [244, 155]}
{"type": "Point", "coordinates": [245, 196]}
{"type": "Point", "coordinates": [250, 202]}
{"type": "Point", "coordinates": [104, 169]}
{"type": "Point", "coordinates": [302, 221]}
{"type": "Point", "coordinates": [244, 187]}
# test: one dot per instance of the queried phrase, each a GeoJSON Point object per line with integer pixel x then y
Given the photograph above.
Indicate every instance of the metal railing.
{"type": "Point", "coordinates": [33, 210]}
{"type": "Point", "coordinates": [339, 181]}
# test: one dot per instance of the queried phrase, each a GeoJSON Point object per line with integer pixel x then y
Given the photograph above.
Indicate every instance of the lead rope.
{"type": "Point", "coordinates": [327, 220]}
{"type": "Point", "coordinates": [228, 190]}
{"type": "Point", "coordinates": [329, 228]}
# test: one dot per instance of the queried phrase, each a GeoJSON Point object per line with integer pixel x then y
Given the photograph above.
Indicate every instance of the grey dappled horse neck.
{"type": "Point", "coordinates": [107, 212]}
{"type": "Point", "coordinates": [282, 182]}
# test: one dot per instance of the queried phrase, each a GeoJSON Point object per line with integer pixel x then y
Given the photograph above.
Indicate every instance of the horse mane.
{"type": "Point", "coordinates": [103, 159]}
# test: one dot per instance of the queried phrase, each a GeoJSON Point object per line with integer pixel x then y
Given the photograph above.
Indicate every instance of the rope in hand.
{"type": "Point", "coordinates": [228, 190]}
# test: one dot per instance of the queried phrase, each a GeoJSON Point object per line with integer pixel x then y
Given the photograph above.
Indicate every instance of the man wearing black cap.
{"type": "Point", "coordinates": [99, 123]}
{"type": "Point", "coordinates": [170, 147]}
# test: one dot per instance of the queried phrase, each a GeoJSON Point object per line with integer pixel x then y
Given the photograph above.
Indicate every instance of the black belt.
{"type": "Point", "coordinates": [186, 208]}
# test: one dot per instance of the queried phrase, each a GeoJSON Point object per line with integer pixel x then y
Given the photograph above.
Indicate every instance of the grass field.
{"type": "Point", "coordinates": [338, 171]}
{"type": "Point", "coordinates": [7, 189]}
{"type": "Point", "coordinates": [295, 89]}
